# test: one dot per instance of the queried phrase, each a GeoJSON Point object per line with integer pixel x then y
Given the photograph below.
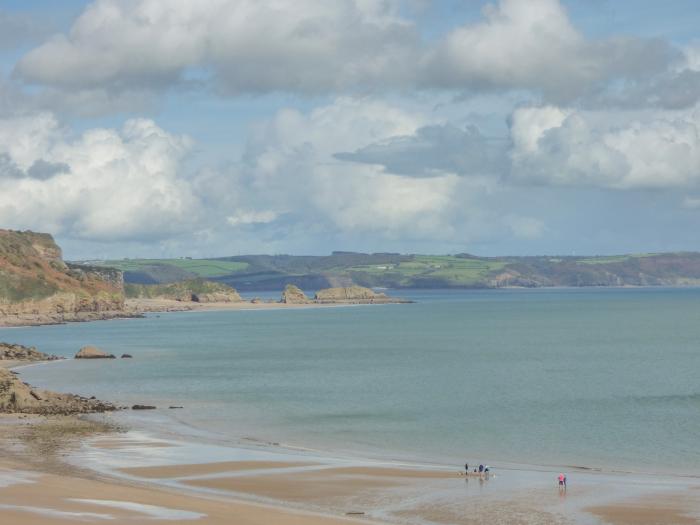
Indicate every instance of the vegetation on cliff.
{"type": "Point", "coordinates": [34, 279]}
{"type": "Point", "coordinates": [198, 290]}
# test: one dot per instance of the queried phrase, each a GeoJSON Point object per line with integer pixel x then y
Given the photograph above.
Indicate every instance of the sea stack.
{"type": "Point", "coordinates": [293, 295]}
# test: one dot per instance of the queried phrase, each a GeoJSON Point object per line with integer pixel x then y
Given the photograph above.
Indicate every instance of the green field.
{"type": "Point", "coordinates": [610, 259]}
{"type": "Point", "coordinates": [199, 267]}
{"type": "Point", "coordinates": [455, 270]}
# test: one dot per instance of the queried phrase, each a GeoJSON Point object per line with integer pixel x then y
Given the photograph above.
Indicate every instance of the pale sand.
{"type": "Point", "coordinates": [316, 487]}
{"type": "Point", "coordinates": [680, 509]}
{"type": "Point", "coordinates": [201, 469]}
{"type": "Point", "coordinates": [8, 363]}
{"type": "Point", "coordinates": [321, 484]}
{"type": "Point", "coordinates": [49, 499]}
{"type": "Point", "coordinates": [168, 305]}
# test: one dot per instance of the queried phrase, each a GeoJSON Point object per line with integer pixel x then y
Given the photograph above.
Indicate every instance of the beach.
{"type": "Point", "coordinates": [98, 472]}
{"type": "Point", "coordinates": [301, 416]}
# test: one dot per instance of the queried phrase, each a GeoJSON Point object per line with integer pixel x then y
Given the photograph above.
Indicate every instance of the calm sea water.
{"type": "Point", "coordinates": [602, 378]}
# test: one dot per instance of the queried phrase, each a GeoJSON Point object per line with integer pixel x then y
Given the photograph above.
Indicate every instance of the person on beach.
{"type": "Point", "coordinates": [562, 481]}
{"type": "Point", "coordinates": [466, 469]}
{"type": "Point", "coordinates": [481, 469]}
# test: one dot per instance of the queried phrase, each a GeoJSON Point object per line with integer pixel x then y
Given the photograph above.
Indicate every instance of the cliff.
{"type": "Point", "coordinates": [293, 295]}
{"type": "Point", "coordinates": [192, 290]}
{"type": "Point", "coordinates": [36, 285]}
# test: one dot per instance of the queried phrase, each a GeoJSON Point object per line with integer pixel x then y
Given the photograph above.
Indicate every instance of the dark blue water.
{"type": "Point", "coordinates": [600, 377]}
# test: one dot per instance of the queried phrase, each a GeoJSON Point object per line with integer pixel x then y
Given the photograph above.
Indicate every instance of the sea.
{"type": "Point", "coordinates": [599, 378]}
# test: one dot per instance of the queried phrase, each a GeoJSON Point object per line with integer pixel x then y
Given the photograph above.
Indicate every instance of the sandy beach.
{"type": "Point", "coordinates": [116, 467]}
{"type": "Point", "coordinates": [139, 307]}
{"type": "Point", "coordinates": [90, 470]}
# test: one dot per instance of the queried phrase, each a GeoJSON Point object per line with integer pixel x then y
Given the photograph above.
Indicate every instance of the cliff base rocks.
{"type": "Point", "coordinates": [17, 397]}
{"type": "Point", "coordinates": [12, 352]}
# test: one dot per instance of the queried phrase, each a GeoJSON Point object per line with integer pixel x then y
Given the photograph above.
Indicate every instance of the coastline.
{"type": "Point", "coordinates": [136, 308]}
{"type": "Point", "coordinates": [259, 481]}
{"type": "Point", "coordinates": [92, 468]}
{"type": "Point", "coordinates": [104, 472]}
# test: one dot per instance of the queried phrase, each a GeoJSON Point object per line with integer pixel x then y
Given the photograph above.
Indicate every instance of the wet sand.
{"type": "Point", "coordinates": [681, 509]}
{"type": "Point", "coordinates": [63, 470]}
{"type": "Point", "coordinates": [29, 498]}
{"type": "Point", "coordinates": [199, 469]}
{"type": "Point", "coordinates": [93, 477]}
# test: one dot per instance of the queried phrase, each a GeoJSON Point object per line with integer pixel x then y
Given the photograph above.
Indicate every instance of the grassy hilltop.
{"type": "Point", "coordinates": [273, 272]}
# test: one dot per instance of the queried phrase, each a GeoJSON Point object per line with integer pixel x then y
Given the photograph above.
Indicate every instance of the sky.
{"type": "Point", "coordinates": [171, 128]}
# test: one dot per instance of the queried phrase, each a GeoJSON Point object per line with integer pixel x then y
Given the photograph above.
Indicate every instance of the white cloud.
{"type": "Point", "coordinates": [305, 45]}
{"type": "Point", "coordinates": [534, 45]}
{"type": "Point", "coordinates": [290, 166]}
{"type": "Point", "coordinates": [105, 184]}
{"type": "Point", "coordinates": [610, 150]}
{"type": "Point", "coordinates": [251, 217]}
{"type": "Point", "coordinates": [123, 49]}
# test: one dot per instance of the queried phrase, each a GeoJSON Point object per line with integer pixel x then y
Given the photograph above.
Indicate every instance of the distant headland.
{"type": "Point", "coordinates": [38, 287]}
{"type": "Point", "coordinates": [392, 270]}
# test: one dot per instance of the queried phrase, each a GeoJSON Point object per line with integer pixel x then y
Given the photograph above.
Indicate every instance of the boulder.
{"type": "Point", "coordinates": [293, 295]}
{"type": "Point", "coordinates": [127, 356]}
{"type": "Point", "coordinates": [92, 352]}
{"type": "Point", "coordinates": [143, 407]}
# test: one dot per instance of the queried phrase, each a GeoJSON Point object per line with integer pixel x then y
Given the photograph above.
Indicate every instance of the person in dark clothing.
{"type": "Point", "coordinates": [481, 468]}
{"type": "Point", "coordinates": [466, 469]}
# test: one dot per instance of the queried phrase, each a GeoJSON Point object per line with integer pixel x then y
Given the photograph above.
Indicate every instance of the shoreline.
{"type": "Point", "coordinates": [293, 484]}
{"type": "Point", "coordinates": [138, 308]}
{"type": "Point", "coordinates": [265, 481]}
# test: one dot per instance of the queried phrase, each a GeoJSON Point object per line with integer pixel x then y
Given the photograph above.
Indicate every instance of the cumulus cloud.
{"type": "Point", "coordinates": [533, 45]}
{"type": "Point", "coordinates": [621, 151]}
{"type": "Point", "coordinates": [434, 151]}
{"type": "Point", "coordinates": [104, 184]}
{"type": "Point", "coordinates": [119, 51]}
{"type": "Point", "coordinates": [251, 46]}
{"type": "Point", "coordinates": [289, 167]}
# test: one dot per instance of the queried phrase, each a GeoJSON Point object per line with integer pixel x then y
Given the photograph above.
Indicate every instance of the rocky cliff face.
{"type": "Point", "coordinates": [293, 295]}
{"type": "Point", "coordinates": [192, 290]}
{"type": "Point", "coordinates": [35, 282]}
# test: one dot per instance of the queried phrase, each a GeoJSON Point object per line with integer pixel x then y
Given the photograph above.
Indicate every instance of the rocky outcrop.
{"type": "Point", "coordinates": [92, 352]}
{"type": "Point", "coordinates": [18, 397]}
{"type": "Point", "coordinates": [12, 352]}
{"type": "Point", "coordinates": [293, 295]}
{"type": "Point", "coordinates": [224, 296]}
{"type": "Point", "coordinates": [37, 286]}
{"type": "Point", "coordinates": [353, 295]}
{"type": "Point", "coordinates": [192, 290]}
